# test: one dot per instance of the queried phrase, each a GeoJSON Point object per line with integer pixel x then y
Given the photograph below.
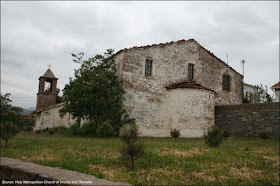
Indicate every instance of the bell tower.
{"type": "Point", "coordinates": [46, 96]}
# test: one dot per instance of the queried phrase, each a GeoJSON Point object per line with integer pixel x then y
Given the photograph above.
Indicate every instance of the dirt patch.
{"type": "Point", "coordinates": [204, 176]}
{"type": "Point", "coordinates": [264, 150]}
{"type": "Point", "coordinates": [223, 178]}
{"type": "Point", "coordinates": [162, 171]}
{"type": "Point", "coordinates": [273, 159]}
{"type": "Point", "coordinates": [245, 172]}
{"type": "Point", "coordinates": [44, 158]}
{"type": "Point", "coordinates": [184, 153]}
{"type": "Point", "coordinates": [110, 174]}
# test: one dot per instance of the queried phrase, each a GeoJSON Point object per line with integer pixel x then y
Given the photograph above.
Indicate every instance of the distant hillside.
{"type": "Point", "coordinates": [28, 110]}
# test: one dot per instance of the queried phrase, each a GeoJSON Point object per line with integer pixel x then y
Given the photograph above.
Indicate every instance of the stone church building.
{"type": "Point", "coordinates": [168, 85]}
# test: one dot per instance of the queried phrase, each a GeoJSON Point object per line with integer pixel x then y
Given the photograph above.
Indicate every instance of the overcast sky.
{"type": "Point", "coordinates": [35, 34]}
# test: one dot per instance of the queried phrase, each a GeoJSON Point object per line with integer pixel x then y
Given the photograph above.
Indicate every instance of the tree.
{"type": "Point", "coordinates": [261, 95]}
{"type": "Point", "coordinates": [9, 112]}
{"type": "Point", "coordinates": [8, 130]}
{"type": "Point", "coordinates": [58, 98]}
{"type": "Point", "coordinates": [133, 149]}
{"type": "Point", "coordinates": [214, 136]}
{"type": "Point", "coordinates": [95, 93]}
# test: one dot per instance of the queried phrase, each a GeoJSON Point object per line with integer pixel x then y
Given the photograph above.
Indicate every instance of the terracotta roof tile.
{"type": "Point", "coordinates": [276, 85]}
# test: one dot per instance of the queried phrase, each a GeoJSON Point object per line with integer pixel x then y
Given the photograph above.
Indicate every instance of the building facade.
{"type": "Point", "coordinates": [171, 85]}
{"type": "Point", "coordinates": [176, 85]}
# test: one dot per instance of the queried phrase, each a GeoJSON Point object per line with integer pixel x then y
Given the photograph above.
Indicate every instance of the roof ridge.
{"type": "Point", "coordinates": [181, 41]}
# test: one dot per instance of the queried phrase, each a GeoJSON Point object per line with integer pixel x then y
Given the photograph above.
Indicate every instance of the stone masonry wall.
{"type": "Point", "coordinates": [145, 97]}
{"type": "Point", "coordinates": [249, 119]}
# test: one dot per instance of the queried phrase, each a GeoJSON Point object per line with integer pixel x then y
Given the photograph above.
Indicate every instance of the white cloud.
{"type": "Point", "coordinates": [35, 34]}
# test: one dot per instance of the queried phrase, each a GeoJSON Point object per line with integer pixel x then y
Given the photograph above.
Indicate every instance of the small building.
{"type": "Point", "coordinates": [276, 89]}
{"type": "Point", "coordinates": [248, 91]}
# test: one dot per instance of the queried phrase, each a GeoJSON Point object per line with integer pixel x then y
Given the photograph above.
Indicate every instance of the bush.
{"type": "Point", "coordinates": [175, 133]}
{"type": "Point", "coordinates": [8, 130]}
{"type": "Point", "coordinates": [264, 134]}
{"type": "Point", "coordinates": [72, 130]}
{"type": "Point", "coordinates": [105, 129]}
{"type": "Point", "coordinates": [87, 129]}
{"type": "Point", "coordinates": [133, 149]}
{"type": "Point", "coordinates": [226, 134]}
{"type": "Point", "coordinates": [214, 136]}
{"type": "Point", "coordinates": [51, 131]}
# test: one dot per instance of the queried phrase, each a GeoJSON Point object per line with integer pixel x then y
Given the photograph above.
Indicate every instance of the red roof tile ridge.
{"type": "Point", "coordinates": [276, 85]}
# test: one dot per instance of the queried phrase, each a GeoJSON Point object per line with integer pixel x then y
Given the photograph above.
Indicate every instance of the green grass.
{"type": "Point", "coordinates": [238, 161]}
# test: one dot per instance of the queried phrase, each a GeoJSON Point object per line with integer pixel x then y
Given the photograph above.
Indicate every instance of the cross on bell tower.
{"type": "Point", "coordinates": [47, 94]}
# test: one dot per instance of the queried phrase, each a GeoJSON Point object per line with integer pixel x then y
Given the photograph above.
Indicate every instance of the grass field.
{"type": "Point", "coordinates": [246, 161]}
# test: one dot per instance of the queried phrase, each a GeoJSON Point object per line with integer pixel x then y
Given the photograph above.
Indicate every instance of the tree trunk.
{"type": "Point", "coordinates": [132, 162]}
{"type": "Point", "coordinates": [6, 143]}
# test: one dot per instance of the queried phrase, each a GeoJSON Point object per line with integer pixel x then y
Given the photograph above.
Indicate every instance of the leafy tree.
{"type": "Point", "coordinates": [27, 124]}
{"type": "Point", "coordinates": [59, 99]}
{"type": "Point", "coordinates": [261, 95]}
{"type": "Point", "coordinates": [9, 112]}
{"type": "Point", "coordinates": [95, 93]}
{"type": "Point", "coordinates": [8, 130]}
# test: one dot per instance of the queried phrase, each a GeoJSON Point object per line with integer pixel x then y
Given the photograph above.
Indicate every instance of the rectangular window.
{"type": "Point", "coordinates": [190, 71]}
{"type": "Point", "coordinates": [148, 67]}
{"type": "Point", "coordinates": [226, 82]}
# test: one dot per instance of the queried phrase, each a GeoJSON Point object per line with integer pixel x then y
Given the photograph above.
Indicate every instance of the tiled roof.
{"type": "Point", "coordinates": [187, 84]}
{"type": "Point", "coordinates": [31, 114]}
{"type": "Point", "coordinates": [59, 104]}
{"type": "Point", "coordinates": [180, 41]}
{"type": "Point", "coordinates": [49, 74]}
{"type": "Point", "coordinates": [276, 85]}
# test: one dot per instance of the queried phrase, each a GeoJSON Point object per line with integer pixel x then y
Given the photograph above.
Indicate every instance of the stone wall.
{"type": "Point", "coordinates": [17, 172]}
{"type": "Point", "coordinates": [146, 97]}
{"type": "Point", "coordinates": [249, 119]}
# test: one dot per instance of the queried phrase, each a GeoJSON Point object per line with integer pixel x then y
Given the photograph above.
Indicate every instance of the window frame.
{"type": "Point", "coordinates": [226, 82]}
{"type": "Point", "coordinates": [190, 71]}
{"type": "Point", "coordinates": [148, 68]}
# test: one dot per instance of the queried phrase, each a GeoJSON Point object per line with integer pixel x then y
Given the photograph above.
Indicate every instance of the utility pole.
{"type": "Point", "coordinates": [243, 64]}
{"type": "Point", "coordinates": [227, 58]}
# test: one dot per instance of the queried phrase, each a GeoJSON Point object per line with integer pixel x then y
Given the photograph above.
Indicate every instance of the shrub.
{"type": "Point", "coordinates": [214, 136]}
{"type": "Point", "coordinates": [38, 131]}
{"type": "Point", "coordinates": [51, 131]}
{"type": "Point", "coordinates": [264, 134]}
{"type": "Point", "coordinates": [133, 149]}
{"type": "Point", "coordinates": [87, 129]}
{"type": "Point", "coordinates": [226, 134]}
{"type": "Point", "coordinates": [8, 130]}
{"type": "Point", "coordinates": [175, 133]}
{"type": "Point", "coordinates": [72, 130]}
{"type": "Point", "coordinates": [105, 129]}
